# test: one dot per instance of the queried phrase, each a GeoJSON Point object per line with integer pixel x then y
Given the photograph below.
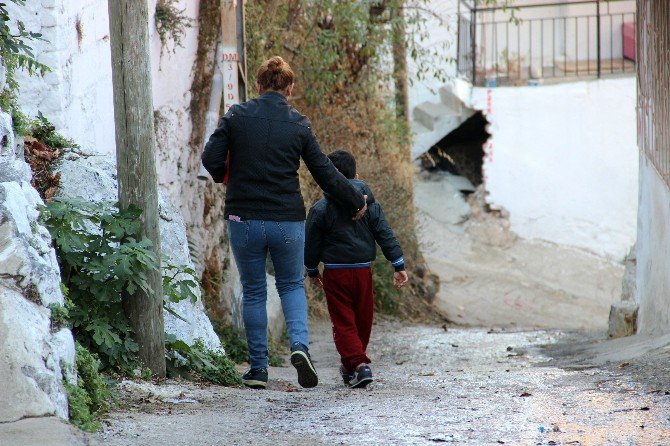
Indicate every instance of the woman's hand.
{"type": "Point", "coordinates": [361, 211]}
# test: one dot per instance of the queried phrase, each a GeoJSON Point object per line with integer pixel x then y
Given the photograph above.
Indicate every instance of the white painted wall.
{"type": "Point", "coordinates": [653, 252]}
{"type": "Point", "coordinates": [440, 30]}
{"type": "Point", "coordinates": [77, 95]}
{"type": "Point", "coordinates": [563, 160]}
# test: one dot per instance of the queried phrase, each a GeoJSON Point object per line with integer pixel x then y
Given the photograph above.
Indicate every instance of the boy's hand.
{"type": "Point", "coordinates": [316, 281]}
{"type": "Point", "coordinates": [400, 279]}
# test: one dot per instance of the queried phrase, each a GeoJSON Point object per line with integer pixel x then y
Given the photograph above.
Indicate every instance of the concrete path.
{"type": "Point", "coordinates": [45, 431]}
{"type": "Point", "coordinates": [461, 386]}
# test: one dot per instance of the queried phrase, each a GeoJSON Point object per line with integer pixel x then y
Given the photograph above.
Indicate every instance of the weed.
{"type": "Point", "coordinates": [90, 398]}
{"type": "Point", "coordinates": [171, 23]}
{"type": "Point", "coordinates": [210, 365]}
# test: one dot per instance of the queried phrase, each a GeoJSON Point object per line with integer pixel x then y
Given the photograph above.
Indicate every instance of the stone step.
{"type": "Point", "coordinates": [430, 113]}
{"type": "Point", "coordinates": [449, 99]}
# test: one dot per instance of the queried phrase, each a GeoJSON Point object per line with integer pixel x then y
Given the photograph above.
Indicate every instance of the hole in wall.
{"type": "Point", "coordinates": [461, 152]}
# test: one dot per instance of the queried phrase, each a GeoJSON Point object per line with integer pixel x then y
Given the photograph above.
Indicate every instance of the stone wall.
{"type": "Point", "coordinates": [35, 354]}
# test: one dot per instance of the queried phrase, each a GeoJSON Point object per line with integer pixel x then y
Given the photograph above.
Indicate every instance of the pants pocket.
{"type": "Point", "coordinates": [291, 231]}
{"type": "Point", "coordinates": [238, 232]}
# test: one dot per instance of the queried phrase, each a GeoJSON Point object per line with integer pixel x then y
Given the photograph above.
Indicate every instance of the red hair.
{"type": "Point", "coordinates": [275, 74]}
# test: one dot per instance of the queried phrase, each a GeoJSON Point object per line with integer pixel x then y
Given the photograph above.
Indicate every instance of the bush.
{"type": "Point", "coordinates": [100, 259]}
{"type": "Point", "coordinates": [386, 296]}
{"type": "Point", "coordinates": [199, 361]}
{"type": "Point", "coordinates": [341, 53]}
{"type": "Point", "coordinates": [234, 344]}
{"type": "Point", "coordinates": [44, 131]}
{"type": "Point", "coordinates": [89, 399]}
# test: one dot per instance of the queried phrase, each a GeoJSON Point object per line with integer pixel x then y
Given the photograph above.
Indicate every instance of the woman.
{"type": "Point", "coordinates": [257, 149]}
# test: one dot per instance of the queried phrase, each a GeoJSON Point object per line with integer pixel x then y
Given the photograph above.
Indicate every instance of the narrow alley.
{"type": "Point", "coordinates": [459, 386]}
{"type": "Point", "coordinates": [521, 372]}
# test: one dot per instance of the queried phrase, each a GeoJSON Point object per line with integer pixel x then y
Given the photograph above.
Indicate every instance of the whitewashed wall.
{"type": "Point", "coordinates": [77, 95]}
{"type": "Point", "coordinates": [563, 160]}
{"type": "Point", "coordinates": [653, 252]}
{"type": "Point", "coordinates": [442, 25]}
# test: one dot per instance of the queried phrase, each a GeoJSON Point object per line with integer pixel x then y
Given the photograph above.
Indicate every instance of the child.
{"type": "Point", "coordinates": [347, 249]}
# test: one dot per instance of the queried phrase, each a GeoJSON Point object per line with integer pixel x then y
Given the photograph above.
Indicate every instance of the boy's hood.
{"type": "Point", "coordinates": [360, 186]}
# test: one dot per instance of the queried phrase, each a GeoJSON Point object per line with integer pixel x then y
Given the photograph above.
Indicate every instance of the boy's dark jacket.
{"type": "Point", "coordinates": [333, 237]}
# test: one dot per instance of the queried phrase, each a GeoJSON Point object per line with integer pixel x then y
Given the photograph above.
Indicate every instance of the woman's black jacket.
{"type": "Point", "coordinates": [266, 137]}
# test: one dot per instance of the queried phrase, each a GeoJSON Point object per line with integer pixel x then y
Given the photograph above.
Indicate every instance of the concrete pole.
{"type": "Point", "coordinates": [136, 164]}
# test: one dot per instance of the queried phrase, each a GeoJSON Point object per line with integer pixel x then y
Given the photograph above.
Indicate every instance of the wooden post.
{"type": "Point", "coordinates": [400, 63]}
{"type": "Point", "coordinates": [136, 163]}
{"type": "Point", "coordinates": [230, 64]}
{"type": "Point", "coordinates": [242, 50]}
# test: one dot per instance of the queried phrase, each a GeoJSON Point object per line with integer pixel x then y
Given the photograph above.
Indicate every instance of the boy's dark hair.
{"type": "Point", "coordinates": [344, 162]}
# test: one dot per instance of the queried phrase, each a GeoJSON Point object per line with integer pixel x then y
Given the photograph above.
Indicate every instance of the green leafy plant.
{"type": "Point", "coordinates": [209, 365]}
{"type": "Point", "coordinates": [44, 131]}
{"type": "Point", "coordinates": [236, 346]}
{"type": "Point", "coordinates": [16, 54]}
{"type": "Point", "coordinates": [233, 342]}
{"type": "Point", "coordinates": [101, 257]}
{"type": "Point", "coordinates": [90, 397]}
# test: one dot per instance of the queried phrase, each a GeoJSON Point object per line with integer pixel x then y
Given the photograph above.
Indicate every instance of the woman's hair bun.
{"type": "Point", "coordinates": [275, 74]}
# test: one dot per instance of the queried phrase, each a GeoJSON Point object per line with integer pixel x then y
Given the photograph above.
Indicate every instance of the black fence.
{"type": "Point", "coordinates": [531, 43]}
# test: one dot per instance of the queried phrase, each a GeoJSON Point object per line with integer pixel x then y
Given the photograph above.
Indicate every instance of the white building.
{"type": "Point", "coordinates": [557, 87]}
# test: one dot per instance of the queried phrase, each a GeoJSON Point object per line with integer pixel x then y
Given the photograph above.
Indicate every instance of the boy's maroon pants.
{"type": "Point", "coordinates": [350, 298]}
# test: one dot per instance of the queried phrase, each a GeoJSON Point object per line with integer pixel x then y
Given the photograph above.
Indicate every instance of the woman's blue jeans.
{"type": "Point", "coordinates": [251, 241]}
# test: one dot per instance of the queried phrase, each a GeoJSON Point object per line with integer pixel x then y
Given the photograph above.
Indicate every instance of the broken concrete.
{"type": "Point", "coordinates": [489, 277]}
{"type": "Point", "coordinates": [432, 121]}
{"type": "Point", "coordinates": [623, 319]}
{"type": "Point", "coordinates": [623, 315]}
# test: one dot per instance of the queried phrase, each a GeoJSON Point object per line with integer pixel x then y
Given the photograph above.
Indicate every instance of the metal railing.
{"type": "Point", "coordinates": [653, 108]}
{"type": "Point", "coordinates": [536, 41]}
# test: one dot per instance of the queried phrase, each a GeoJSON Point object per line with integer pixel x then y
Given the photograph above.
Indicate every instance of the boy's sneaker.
{"type": "Point", "coordinates": [302, 362]}
{"type": "Point", "coordinates": [346, 375]}
{"type": "Point", "coordinates": [361, 378]}
{"type": "Point", "coordinates": [256, 378]}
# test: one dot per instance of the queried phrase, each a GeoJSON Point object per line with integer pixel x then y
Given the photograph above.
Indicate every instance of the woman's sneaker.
{"type": "Point", "coordinates": [361, 378]}
{"type": "Point", "coordinates": [346, 375]}
{"type": "Point", "coordinates": [302, 362]}
{"type": "Point", "coordinates": [256, 378]}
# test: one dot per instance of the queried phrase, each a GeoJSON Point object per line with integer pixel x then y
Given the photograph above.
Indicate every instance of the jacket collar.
{"type": "Point", "coordinates": [360, 185]}
{"type": "Point", "coordinates": [274, 95]}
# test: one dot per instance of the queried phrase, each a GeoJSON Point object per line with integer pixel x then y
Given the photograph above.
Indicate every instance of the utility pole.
{"type": "Point", "coordinates": [136, 164]}
{"type": "Point", "coordinates": [400, 62]}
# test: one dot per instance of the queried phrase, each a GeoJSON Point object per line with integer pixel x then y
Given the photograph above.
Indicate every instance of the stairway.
{"type": "Point", "coordinates": [432, 121]}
